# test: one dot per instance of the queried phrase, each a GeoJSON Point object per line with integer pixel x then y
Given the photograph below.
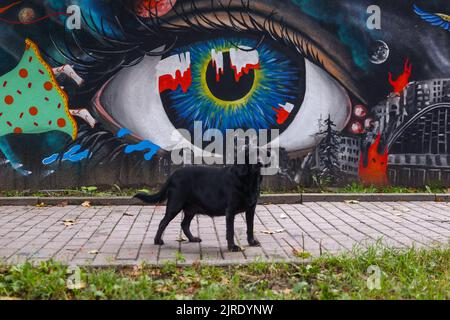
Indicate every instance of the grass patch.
{"type": "Point", "coordinates": [93, 191]}
{"type": "Point", "coordinates": [404, 274]}
{"type": "Point", "coordinates": [359, 188]}
{"type": "Point", "coordinates": [90, 191]}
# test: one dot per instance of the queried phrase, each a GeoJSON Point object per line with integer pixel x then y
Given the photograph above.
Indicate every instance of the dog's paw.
{"type": "Point", "coordinates": [195, 239]}
{"type": "Point", "coordinates": [159, 242]}
{"type": "Point", "coordinates": [234, 248]}
{"type": "Point", "coordinates": [254, 243]}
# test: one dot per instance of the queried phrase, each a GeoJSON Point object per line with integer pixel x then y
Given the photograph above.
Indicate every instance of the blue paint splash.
{"type": "Point", "coordinates": [123, 132]}
{"type": "Point", "coordinates": [144, 145]}
{"type": "Point", "coordinates": [141, 146]}
{"type": "Point", "coordinates": [50, 159]}
{"type": "Point", "coordinates": [73, 155]}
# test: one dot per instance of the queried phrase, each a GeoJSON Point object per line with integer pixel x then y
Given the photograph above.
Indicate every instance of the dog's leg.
{"type": "Point", "coordinates": [171, 213]}
{"type": "Point", "coordinates": [250, 217]}
{"type": "Point", "coordinates": [186, 224]}
{"type": "Point", "coordinates": [230, 232]}
{"type": "Point", "coordinates": [162, 226]}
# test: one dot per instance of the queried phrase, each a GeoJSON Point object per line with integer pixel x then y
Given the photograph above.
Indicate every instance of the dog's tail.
{"type": "Point", "coordinates": [154, 198]}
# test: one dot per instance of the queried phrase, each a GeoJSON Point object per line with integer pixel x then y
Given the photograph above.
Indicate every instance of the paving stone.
{"type": "Point", "coordinates": [124, 235]}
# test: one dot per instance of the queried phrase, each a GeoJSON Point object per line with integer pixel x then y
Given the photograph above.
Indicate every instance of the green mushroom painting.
{"type": "Point", "coordinates": [35, 115]}
{"type": "Point", "coordinates": [31, 101]}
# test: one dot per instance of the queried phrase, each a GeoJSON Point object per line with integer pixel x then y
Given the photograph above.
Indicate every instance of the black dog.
{"type": "Point", "coordinates": [212, 191]}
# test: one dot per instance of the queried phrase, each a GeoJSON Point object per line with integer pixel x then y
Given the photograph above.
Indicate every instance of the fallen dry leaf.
{"type": "Point", "coordinates": [286, 291]}
{"type": "Point", "coordinates": [352, 201]}
{"type": "Point", "coordinates": [128, 214]}
{"type": "Point", "coordinates": [76, 286]}
{"type": "Point", "coordinates": [93, 252]}
{"type": "Point", "coordinates": [69, 222]}
{"type": "Point", "coordinates": [86, 204]}
{"type": "Point", "coordinates": [272, 231]}
{"type": "Point", "coordinates": [40, 205]}
{"type": "Point", "coordinates": [401, 209]}
{"type": "Point", "coordinates": [181, 239]}
{"type": "Point", "coordinates": [137, 270]}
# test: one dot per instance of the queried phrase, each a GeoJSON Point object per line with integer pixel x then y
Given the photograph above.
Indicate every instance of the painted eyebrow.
{"type": "Point", "coordinates": [290, 26]}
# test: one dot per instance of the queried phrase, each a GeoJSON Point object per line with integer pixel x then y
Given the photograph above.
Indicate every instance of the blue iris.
{"type": "Point", "coordinates": [277, 81]}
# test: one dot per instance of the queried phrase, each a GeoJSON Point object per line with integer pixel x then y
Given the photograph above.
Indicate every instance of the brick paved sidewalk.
{"type": "Point", "coordinates": [123, 235]}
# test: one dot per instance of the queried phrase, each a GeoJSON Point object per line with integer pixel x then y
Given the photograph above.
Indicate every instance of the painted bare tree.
{"type": "Point", "coordinates": [328, 171]}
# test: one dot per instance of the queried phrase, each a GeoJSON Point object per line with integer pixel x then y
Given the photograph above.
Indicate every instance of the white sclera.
{"type": "Point", "coordinates": [132, 99]}
{"type": "Point", "coordinates": [324, 96]}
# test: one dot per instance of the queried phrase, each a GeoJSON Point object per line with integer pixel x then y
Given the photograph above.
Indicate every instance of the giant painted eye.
{"type": "Point", "coordinates": [225, 83]}
{"type": "Point", "coordinates": [230, 84]}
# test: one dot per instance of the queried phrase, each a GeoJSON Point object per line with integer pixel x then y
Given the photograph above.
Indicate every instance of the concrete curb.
{"type": "Point", "coordinates": [288, 198]}
{"type": "Point", "coordinates": [94, 201]}
{"type": "Point", "coordinates": [368, 197]}
{"type": "Point", "coordinates": [19, 201]}
{"type": "Point", "coordinates": [443, 197]}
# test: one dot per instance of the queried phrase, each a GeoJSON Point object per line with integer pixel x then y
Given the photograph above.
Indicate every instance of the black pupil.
{"type": "Point", "coordinates": [227, 88]}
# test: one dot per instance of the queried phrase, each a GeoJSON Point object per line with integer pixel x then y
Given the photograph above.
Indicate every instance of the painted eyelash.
{"type": "Point", "coordinates": [299, 43]}
{"type": "Point", "coordinates": [113, 53]}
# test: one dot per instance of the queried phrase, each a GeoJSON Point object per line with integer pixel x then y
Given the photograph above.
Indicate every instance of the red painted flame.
{"type": "Point", "coordinates": [402, 81]}
{"type": "Point", "coordinates": [167, 82]}
{"type": "Point", "coordinates": [375, 173]}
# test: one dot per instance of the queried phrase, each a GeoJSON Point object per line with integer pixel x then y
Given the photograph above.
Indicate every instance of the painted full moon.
{"type": "Point", "coordinates": [379, 52]}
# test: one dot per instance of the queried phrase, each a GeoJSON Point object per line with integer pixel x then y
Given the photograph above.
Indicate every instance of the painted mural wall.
{"type": "Point", "coordinates": [102, 92]}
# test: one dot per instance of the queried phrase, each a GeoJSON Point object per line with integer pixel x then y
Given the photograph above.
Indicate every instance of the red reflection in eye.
{"type": "Point", "coordinates": [282, 115]}
{"type": "Point", "coordinates": [238, 74]}
{"type": "Point", "coordinates": [168, 82]}
{"type": "Point", "coordinates": [151, 8]}
{"type": "Point", "coordinates": [283, 112]}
